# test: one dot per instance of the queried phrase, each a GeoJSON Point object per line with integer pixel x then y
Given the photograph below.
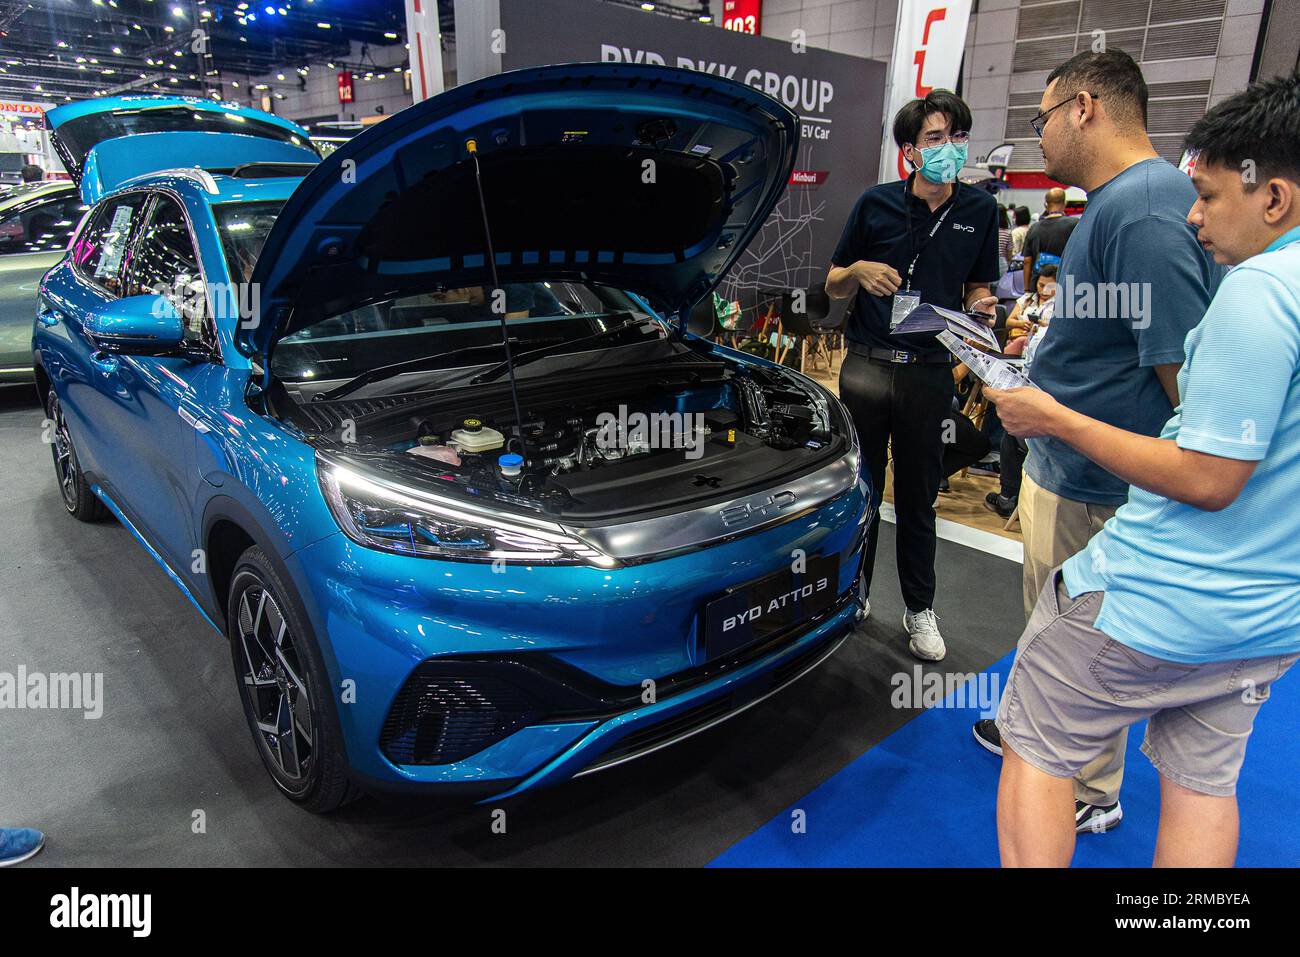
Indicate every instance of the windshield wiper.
{"type": "Point", "coordinates": [380, 373]}
{"type": "Point", "coordinates": [564, 345]}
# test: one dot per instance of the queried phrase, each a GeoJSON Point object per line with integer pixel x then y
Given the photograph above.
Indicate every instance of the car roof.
{"type": "Point", "coordinates": [214, 188]}
{"type": "Point", "coordinates": [29, 191]}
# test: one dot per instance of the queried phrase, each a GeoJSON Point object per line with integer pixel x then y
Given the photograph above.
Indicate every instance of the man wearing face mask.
{"type": "Point", "coordinates": [925, 239]}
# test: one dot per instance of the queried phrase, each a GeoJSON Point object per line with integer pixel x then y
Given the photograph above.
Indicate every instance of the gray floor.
{"type": "Point", "coordinates": [126, 789]}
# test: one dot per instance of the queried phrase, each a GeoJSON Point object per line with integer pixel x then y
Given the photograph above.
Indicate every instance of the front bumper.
{"type": "Point", "coordinates": [597, 635]}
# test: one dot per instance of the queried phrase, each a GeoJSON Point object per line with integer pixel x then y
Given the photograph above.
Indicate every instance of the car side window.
{"type": "Point", "coordinates": [41, 225]}
{"type": "Point", "coordinates": [100, 249]}
{"type": "Point", "coordinates": [165, 263]}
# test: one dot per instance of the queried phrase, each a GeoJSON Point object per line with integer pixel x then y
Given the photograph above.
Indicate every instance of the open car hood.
{"type": "Point", "coordinates": [106, 142]}
{"type": "Point", "coordinates": [651, 179]}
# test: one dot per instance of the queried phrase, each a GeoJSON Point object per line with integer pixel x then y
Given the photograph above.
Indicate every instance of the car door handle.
{"type": "Point", "coordinates": [105, 362]}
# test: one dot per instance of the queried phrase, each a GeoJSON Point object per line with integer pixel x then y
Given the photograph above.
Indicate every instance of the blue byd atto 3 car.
{"type": "Point", "coordinates": [383, 418]}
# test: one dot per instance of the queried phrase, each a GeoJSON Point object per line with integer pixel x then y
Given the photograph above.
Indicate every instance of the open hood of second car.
{"type": "Point", "coordinates": [106, 142]}
{"type": "Point", "coordinates": [651, 179]}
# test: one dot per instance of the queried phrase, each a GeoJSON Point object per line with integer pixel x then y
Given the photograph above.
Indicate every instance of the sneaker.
{"type": "Point", "coordinates": [17, 844]}
{"type": "Point", "coordinates": [987, 736]}
{"type": "Point", "coordinates": [996, 502]}
{"type": "Point", "coordinates": [1095, 819]}
{"type": "Point", "coordinates": [944, 487]}
{"type": "Point", "coordinates": [926, 643]}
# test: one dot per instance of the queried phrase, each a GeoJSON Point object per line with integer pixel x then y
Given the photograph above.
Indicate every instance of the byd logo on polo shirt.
{"type": "Point", "coordinates": [964, 229]}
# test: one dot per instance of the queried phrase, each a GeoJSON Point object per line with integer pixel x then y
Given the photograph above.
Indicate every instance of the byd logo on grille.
{"type": "Point", "coordinates": [737, 514]}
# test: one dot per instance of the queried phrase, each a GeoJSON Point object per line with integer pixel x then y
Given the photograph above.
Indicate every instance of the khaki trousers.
{"type": "Point", "coordinates": [1054, 528]}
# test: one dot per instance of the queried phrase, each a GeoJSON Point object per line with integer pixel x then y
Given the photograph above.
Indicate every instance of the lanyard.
{"type": "Point", "coordinates": [911, 237]}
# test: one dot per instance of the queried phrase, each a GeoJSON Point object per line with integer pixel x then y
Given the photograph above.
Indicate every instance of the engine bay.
{"type": "Point", "coordinates": [651, 438]}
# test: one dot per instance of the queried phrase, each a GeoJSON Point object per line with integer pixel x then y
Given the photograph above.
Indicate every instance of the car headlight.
{"type": "Point", "coordinates": [408, 522]}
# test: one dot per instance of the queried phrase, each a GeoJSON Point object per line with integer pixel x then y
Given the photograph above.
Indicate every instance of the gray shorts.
{"type": "Point", "coordinates": [1072, 689]}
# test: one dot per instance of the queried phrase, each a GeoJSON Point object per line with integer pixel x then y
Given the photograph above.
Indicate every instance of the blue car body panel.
{"type": "Point", "coordinates": [119, 155]}
{"type": "Point", "coordinates": [179, 451]}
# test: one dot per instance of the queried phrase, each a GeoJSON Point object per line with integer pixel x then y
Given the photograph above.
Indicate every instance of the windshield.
{"type": "Point", "coordinates": [243, 228]}
{"type": "Point", "coordinates": [349, 343]}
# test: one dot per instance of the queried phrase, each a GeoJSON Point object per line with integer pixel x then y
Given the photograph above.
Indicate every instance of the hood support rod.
{"type": "Point", "coordinates": [472, 147]}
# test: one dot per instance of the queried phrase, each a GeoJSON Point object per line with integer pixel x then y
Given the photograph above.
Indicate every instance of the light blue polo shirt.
{"type": "Point", "coordinates": [1193, 586]}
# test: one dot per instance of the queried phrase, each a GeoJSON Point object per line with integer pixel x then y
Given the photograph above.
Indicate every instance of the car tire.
{"type": "Point", "coordinates": [78, 497]}
{"type": "Point", "coordinates": [277, 667]}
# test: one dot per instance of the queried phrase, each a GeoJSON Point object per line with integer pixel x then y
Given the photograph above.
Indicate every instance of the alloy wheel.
{"type": "Point", "coordinates": [274, 684]}
{"type": "Point", "coordinates": [65, 459]}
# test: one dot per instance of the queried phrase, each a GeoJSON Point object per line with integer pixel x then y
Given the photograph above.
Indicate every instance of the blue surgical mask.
{"type": "Point", "coordinates": [939, 164]}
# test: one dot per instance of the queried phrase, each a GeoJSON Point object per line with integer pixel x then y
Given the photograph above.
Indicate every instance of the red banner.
{"type": "Point", "coordinates": [743, 16]}
{"type": "Point", "coordinates": [346, 92]}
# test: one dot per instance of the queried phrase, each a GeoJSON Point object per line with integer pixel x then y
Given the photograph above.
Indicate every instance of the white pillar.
{"type": "Point", "coordinates": [425, 42]}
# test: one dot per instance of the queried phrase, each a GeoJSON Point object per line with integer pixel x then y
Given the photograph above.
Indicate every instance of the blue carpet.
{"type": "Point", "coordinates": [925, 797]}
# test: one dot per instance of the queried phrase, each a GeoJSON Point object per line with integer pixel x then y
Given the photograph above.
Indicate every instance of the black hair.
{"type": "Point", "coordinates": [1112, 77]}
{"type": "Point", "coordinates": [1261, 124]}
{"type": "Point", "coordinates": [1003, 221]}
{"type": "Point", "coordinates": [910, 119]}
{"type": "Point", "coordinates": [1022, 216]}
{"type": "Point", "coordinates": [1047, 269]}
{"type": "Point", "coordinates": [32, 173]}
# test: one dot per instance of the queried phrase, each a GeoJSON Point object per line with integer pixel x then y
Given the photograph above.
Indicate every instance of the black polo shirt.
{"type": "Point", "coordinates": [965, 249]}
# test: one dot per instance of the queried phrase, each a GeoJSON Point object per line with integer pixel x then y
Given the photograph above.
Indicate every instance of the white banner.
{"type": "Point", "coordinates": [425, 42]}
{"type": "Point", "coordinates": [928, 46]}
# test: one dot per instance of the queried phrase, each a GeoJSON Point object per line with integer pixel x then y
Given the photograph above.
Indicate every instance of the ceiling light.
{"type": "Point", "coordinates": [279, 76]}
{"type": "Point", "coordinates": [117, 50]}
{"type": "Point", "coordinates": [391, 36]}
{"type": "Point", "coordinates": [177, 12]}
{"type": "Point", "coordinates": [323, 26]}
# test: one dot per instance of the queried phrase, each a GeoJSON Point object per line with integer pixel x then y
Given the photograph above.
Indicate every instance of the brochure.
{"type": "Point", "coordinates": [994, 371]}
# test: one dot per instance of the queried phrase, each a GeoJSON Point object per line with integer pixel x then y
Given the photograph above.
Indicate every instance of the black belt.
{"type": "Point", "coordinates": [901, 356]}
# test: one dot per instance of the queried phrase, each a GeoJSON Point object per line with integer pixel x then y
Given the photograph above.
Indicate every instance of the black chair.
{"type": "Point", "coordinates": [805, 325]}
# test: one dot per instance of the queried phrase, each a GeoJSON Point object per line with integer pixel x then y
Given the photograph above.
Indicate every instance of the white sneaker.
{"type": "Point", "coordinates": [865, 611]}
{"type": "Point", "coordinates": [927, 643]}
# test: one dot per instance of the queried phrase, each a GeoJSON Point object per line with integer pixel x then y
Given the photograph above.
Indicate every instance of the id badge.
{"type": "Point", "coordinates": [904, 303]}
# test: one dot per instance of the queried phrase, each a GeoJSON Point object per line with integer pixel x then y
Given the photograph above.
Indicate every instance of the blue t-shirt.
{"type": "Point", "coordinates": [1193, 586]}
{"type": "Point", "coordinates": [1133, 281]}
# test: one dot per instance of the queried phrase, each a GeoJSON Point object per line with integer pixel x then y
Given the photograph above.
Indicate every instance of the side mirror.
{"type": "Point", "coordinates": [146, 325]}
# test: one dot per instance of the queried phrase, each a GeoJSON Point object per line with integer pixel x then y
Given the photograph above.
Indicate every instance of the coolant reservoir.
{"type": "Point", "coordinates": [474, 436]}
{"type": "Point", "coordinates": [430, 449]}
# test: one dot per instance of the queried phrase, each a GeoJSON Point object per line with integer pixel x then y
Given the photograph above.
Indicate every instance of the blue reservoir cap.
{"type": "Point", "coordinates": [511, 460]}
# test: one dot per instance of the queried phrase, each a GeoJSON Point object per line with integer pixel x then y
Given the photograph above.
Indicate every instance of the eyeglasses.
{"type": "Point", "coordinates": [935, 138]}
{"type": "Point", "coordinates": [1040, 121]}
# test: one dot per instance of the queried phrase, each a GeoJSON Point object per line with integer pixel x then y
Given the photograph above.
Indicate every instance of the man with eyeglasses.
{"type": "Point", "coordinates": [925, 239]}
{"type": "Point", "coordinates": [1132, 282]}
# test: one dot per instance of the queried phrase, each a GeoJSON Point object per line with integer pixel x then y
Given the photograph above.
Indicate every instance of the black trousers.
{"type": "Point", "coordinates": [907, 408]}
{"type": "Point", "coordinates": [1012, 457]}
{"type": "Point", "coordinates": [964, 445]}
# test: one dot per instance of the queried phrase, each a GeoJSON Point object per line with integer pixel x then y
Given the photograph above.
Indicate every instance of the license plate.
{"type": "Point", "coordinates": [769, 605]}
